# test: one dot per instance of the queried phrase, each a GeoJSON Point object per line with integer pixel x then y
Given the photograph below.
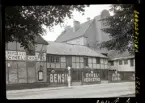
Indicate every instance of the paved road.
{"type": "Point", "coordinates": [129, 95]}
{"type": "Point", "coordinates": [93, 91]}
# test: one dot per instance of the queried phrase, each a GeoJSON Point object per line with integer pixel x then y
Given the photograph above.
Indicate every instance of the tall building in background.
{"type": "Point", "coordinates": [88, 34]}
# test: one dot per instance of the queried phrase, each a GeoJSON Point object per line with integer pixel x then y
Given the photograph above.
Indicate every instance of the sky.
{"type": "Point", "coordinates": [91, 12]}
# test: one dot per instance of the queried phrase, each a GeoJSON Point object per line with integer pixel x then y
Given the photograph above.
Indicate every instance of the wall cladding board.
{"type": "Point", "coordinates": [82, 65]}
{"type": "Point", "coordinates": [22, 71]}
{"type": "Point", "coordinates": [77, 59]}
{"type": "Point", "coordinates": [102, 66]}
{"type": "Point", "coordinates": [44, 72]}
{"type": "Point", "coordinates": [81, 59]}
{"type": "Point", "coordinates": [12, 46]}
{"type": "Point", "coordinates": [6, 73]}
{"type": "Point", "coordinates": [13, 67]}
{"type": "Point", "coordinates": [31, 72]}
{"type": "Point", "coordinates": [101, 60]}
{"type": "Point", "coordinates": [63, 65]}
{"type": "Point", "coordinates": [24, 80]}
{"type": "Point", "coordinates": [98, 66]}
{"type": "Point", "coordinates": [48, 65]}
{"type": "Point", "coordinates": [52, 65]}
{"type": "Point", "coordinates": [77, 65]}
{"type": "Point", "coordinates": [94, 66]}
{"type": "Point", "coordinates": [38, 47]}
{"type": "Point", "coordinates": [90, 65]}
{"type": "Point", "coordinates": [13, 78]}
{"type": "Point", "coordinates": [94, 60]}
{"type": "Point", "coordinates": [89, 60]}
{"type": "Point", "coordinates": [106, 66]}
{"type": "Point", "coordinates": [57, 65]}
{"type": "Point", "coordinates": [73, 65]}
{"type": "Point", "coordinates": [63, 59]}
{"type": "Point", "coordinates": [73, 59]}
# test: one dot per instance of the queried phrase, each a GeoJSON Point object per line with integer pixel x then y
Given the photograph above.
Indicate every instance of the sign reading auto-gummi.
{"type": "Point", "coordinates": [91, 77]}
{"type": "Point", "coordinates": [18, 55]}
{"type": "Point", "coordinates": [14, 55]}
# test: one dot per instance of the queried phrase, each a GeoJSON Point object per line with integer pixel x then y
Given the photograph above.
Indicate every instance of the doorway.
{"type": "Point", "coordinates": [76, 75]}
{"type": "Point", "coordinates": [104, 75]}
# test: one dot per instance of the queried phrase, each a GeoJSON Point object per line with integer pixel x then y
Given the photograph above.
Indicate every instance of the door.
{"type": "Point", "coordinates": [76, 76]}
{"type": "Point", "coordinates": [104, 75]}
{"type": "Point", "coordinates": [31, 72]}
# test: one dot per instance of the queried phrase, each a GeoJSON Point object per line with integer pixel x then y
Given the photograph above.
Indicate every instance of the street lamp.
{"type": "Point", "coordinates": [69, 76]}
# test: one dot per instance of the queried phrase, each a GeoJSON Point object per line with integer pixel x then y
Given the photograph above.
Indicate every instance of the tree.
{"type": "Point", "coordinates": [23, 23]}
{"type": "Point", "coordinates": [120, 26]}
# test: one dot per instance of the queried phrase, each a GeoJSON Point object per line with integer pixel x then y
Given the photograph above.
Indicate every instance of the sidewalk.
{"type": "Point", "coordinates": [81, 86]}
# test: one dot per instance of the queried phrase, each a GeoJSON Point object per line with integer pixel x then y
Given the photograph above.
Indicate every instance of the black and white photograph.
{"type": "Point", "coordinates": [69, 51]}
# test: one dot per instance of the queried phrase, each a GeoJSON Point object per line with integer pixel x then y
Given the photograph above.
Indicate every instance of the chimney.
{"type": "Point", "coordinates": [76, 25]}
{"type": "Point", "coordinates": [88, 19]}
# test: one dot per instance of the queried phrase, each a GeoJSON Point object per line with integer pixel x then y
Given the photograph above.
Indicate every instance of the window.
{"type": "Point", "coordinates": [48, 58]}
{"type": "Point", "coordinates": [85, 61]}
{"type": "Point", "coordinates": [98, 60]}
{"type": "Point", "coordinates": [111, 63]}
{"type": "Point", "coordinates": [52, 59]}
{"type": "Point", "coordinates": [120, 62]}
{"type": "Point", "coordinates": [57, 59]}
{"type": "Point", "coordinates": [131, 62]}
{"type": "Point", "coordinates": [125, 61]}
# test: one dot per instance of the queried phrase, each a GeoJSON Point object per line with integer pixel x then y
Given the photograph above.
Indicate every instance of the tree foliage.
{"type": "Point", "coordinates": [23, 23]}
{"type": "Point", "coordinates": [120, 26]}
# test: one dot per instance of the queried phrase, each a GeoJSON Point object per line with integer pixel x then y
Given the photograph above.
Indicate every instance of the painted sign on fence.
{"type": "Point", "coordinates": [91, 77]}
{"type": "Point", "coordinates": [58, 77]}
{"type": "Point", "coordinates": [116, 77]}
{"type": "Point", "coordinates": [14, 55]}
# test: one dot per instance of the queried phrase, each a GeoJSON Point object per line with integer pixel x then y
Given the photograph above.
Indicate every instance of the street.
{"type": "Point", "coordinates": [90, 91]}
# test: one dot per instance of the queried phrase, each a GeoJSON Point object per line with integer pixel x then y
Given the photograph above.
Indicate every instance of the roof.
{"type": "Point", "coordinates": [114, 55]}
{"type": "Point", "coordinates": [40, 40]}
{"type": "Point", "coordinates": [67, 49]}
{"type": "Point", "coordinates": [70, 34]}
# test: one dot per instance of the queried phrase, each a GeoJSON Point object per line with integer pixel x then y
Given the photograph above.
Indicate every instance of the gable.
{"type": "Point", "coordinates": [70, 34]}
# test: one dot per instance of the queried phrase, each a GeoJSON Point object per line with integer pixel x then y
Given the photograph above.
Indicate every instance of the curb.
{"type": "Point", "coordinates": [57, 88]}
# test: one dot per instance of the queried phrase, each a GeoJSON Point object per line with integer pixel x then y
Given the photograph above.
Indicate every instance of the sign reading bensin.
{"type": "Point", "coordinates": [91, 77]}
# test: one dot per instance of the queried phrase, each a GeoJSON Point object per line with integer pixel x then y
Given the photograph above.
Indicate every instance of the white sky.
{"type": "Point", "coordinates": [91, 12]}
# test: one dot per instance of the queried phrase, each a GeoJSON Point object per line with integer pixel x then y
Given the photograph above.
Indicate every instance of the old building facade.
{"type": "Point", "coordinates": [86, 64]}
{"type": "Point", "coordinates": [89, 34]}
{"type": "Point", "coordinates": [122, 65]}
{"type": "Point", "coordinates": [23, 66]}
